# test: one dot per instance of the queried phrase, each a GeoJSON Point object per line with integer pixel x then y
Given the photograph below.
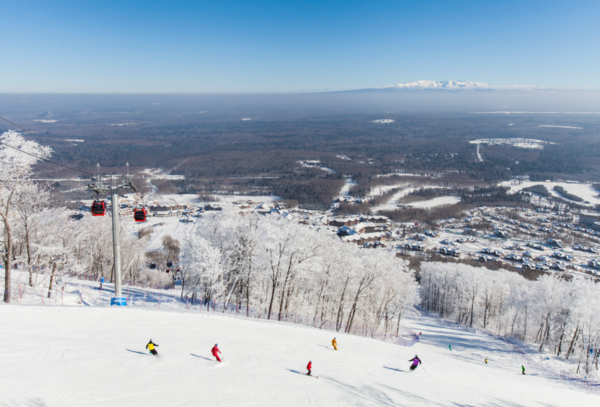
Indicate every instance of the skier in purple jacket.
{"type": "Point", "coordinates": [416, 361]}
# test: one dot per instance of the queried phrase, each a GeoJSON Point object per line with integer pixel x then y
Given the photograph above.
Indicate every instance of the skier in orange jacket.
{"type": "Point", "coordinates": [334, 343]}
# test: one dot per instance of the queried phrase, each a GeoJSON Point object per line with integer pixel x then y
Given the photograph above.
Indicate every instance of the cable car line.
{"type": "Point", "coordinates": [45, 159]}
{"type": "Point", "coordinates": [46, 140]}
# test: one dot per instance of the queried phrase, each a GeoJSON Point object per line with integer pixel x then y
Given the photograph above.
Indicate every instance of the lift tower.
{"type": "Point", "coordinates": [113, 183]}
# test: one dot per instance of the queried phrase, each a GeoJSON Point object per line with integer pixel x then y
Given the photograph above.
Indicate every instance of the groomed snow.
{"type": "Point", "coordinates": [515, 142]}
{"type": "Point", "coordinates": [560, 127]}
{"type": "Point", "coordinates": [585, 191]}
{"type": "Point", "coordinates": [316, 164]}
{"type": "Point", "coordinates": [94, 356]}
{"type": "Point", "coordinates": [158, 173]}
{"type": "Point", "coordinates": [439, 201]}
{"type": "Point", "coordinates": [392, 204]}
{"type": "Point", "coordinates": [345, 191]}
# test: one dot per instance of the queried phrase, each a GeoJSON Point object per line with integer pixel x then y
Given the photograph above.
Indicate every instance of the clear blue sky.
{"type": "Point", "coordinates": [288, 46]}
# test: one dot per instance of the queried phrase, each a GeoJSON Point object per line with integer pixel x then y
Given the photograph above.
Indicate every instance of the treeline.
{"type": "Point", "coordinates": [538, 189]}
{"type": "Point", "coordinates": [561, 316]}
{"type": "Point", "coordinates": [283, 269]}
{"type": "Point", "coordinates": [567, 194]}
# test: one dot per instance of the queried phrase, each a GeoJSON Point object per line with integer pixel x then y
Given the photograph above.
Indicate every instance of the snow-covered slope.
{"type": "Point", "coordinates": [95, 356]}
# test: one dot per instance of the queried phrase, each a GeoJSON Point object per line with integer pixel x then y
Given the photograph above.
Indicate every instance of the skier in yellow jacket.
{"type": "Point", "coordinates": [334, 343]}
{"type": "Point", "coordinates": [151, 348]}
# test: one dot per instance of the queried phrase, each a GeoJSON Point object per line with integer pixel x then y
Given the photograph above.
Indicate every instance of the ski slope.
{"type": "Point", "coordinates": [95, 356]}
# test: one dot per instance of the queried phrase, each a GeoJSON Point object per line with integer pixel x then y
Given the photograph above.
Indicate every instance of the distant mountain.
{"type": "Point", "coordinates": [451, 85]}
{"type": "Point", "coordinates": [445, 86]}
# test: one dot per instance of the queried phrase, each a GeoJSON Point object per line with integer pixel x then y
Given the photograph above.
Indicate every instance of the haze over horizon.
{"type": "Point", "coordinates": [280, 47]}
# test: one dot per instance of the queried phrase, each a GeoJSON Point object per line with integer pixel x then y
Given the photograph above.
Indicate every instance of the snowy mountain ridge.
{"type": "Point", "coordinates": [452, 85]}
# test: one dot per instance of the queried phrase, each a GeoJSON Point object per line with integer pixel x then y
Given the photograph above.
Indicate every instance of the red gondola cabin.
{"type": "Point", "coordinates": [139, 214]}
{"type": "Point", "coordinates": [98, 208]}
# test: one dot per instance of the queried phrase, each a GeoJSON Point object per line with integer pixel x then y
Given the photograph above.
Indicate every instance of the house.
{"type": "Point", "coordinates": [344, 222]}
{"type": "Point", "coordinates": [365, 227]}
{"type": "Point", "coordinates": [346, 231]}
{"type": "Point", "coordinates": [375, 219]}
{"type": "Point", "coordinates": [589, 220]}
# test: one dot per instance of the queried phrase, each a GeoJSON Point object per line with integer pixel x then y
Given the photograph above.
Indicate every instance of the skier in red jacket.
{"type": "Point", "coordinates": [309, 367]}
{"type": "Point", "coordinates": [215, 352]}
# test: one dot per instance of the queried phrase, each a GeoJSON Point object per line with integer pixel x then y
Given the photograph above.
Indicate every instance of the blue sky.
{"type": "Point", "coordinates": [289, 46]}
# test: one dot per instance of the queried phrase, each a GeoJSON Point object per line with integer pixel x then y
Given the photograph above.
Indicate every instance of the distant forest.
{"type": "Point", "coordinates": [220, 153]}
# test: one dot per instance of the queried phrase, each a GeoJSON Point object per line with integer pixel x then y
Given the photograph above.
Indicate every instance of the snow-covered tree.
{"type": "Point", "coordinates": [17, 158]}
{"type": "Point", "coordinates": [283, 269]}
{"type": "Point", "coordinates": [561, 315]}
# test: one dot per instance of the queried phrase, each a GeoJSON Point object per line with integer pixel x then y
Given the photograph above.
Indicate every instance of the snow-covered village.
{"type": "Point", "coordinates": [275, 204]}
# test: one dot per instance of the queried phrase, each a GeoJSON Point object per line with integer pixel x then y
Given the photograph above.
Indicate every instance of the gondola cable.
{"type": "Point", "coordinates": [45, 159]}
{"type": "Point", "coordinates": [47, 142]}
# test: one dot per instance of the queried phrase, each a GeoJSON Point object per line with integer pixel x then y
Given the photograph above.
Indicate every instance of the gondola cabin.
{"type": "Point", "coordinates": [168, 270]}
{"type": "Point", "coordinates": [139, 214]}
{"type": "Point", "coordinates": [98, 208]}
{"type": "Point", "coordinates": [153, 266]}
{"type": "Point", "coordinates": [169, 263]}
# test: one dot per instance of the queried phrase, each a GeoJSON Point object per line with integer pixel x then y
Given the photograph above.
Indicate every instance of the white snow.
{"type": "Point", "coordinates": [439, 201]}
{"type": "Point", "coordinates": [384, 121]}
{"type": "Point", "coordinates": [95, 356]}
{"type": "Point", "coordinates": [585, 191]}
{"type": "Point", "coordinates": [45, 121]}
{"type": "Point", "coordinates": [441, 85]}
{"type": "Point", "coordinates": [508, 112]}
{"type": "Point", "coordinates": [316, 164]}
{"type": "Point", "coordinates": [392, 204]}
{"type": "Point", "coordinates": [74, 140]}
{"type": "Point", "coordinates": [515, 142]}
{"type": "Point", "coordinates": [345, 191]}
{"type": "Point", "coordinates": [455, 85]}
{"type": "Point", "coordinates": [479, 154]}
{"type": "Point", "coordinates": [560, 127]}
{"type": "Point", "coordinates": [246, 118]}
{"type": "Point", "coordinates": [158, 173]}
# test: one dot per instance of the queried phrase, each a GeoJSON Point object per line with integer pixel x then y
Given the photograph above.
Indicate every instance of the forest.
{"type": "Point", "coordinates": [283, 268]}
{"type": "Point", "coordinates": [216, 151]}
{"type": "Point", "coordinates": [560, 315]}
